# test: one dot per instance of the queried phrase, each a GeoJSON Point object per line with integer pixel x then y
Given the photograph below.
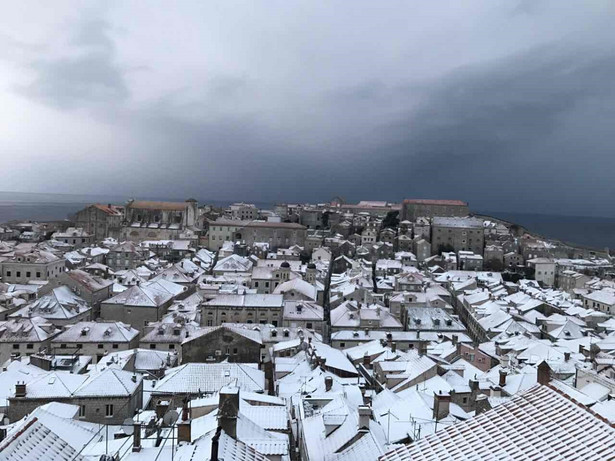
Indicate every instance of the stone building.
{"type": "Point", "coordinates": [243, 211]}
{"type": "Point", "coordinates": [60, 307]}
{"type": "Point", "coordinates": [223, 343]}
{"type": "Point", "coordinates": [108, 397]}
{"type": "Point", "coordinates": [101, 221]}
{"type": "Point", "coordinates": [493, 253]}
{"type": "Point", "coordinates": [25, 336]}
{"type": "Point", "coordinates": [147, 220]}
{"type": "Point", "coordinates": [75, 236]}
{"type": "Point", "coordinates": [95, 339]}
{"type": "Point", "coordinates": [35, 265]}
{"type": "Point", "coordinates": [126, 255]}
{"type": "Point", "coordinates": [462, 234]}
{"type": "Point", "coordinates": [276, 234]}
{"type": "Point", "coordinates": [137, 306]}
{"type": "Point", "coordinates": [303, 314]}
{"type": "Point", "coordinates": [92, 289]}
{"type": "Point", "coordinates": [416, 208]}
{"type": "Point", "coordinates": [248, 308]}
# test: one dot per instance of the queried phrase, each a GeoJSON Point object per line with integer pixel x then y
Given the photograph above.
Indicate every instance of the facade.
{"type": "Point", "coordinates": [92, 289]}
{"type": "Point", "coordinates": [602, 300]}
{"type": "Point", "coordinates": [147, 220]}
{"type": "Point", "coordinates": [137, 306]}
{"type": "Point", "coordinates": [462, 234]}
{"type": "Point", "coordinates": [95, 339]}
{"type": "Point", "coordinates": [124, 256]}
{"type": "Point", "coordinates": [416, 208]}
{"type": "Point", "coordinates": [248, 308]}
{"type": "Point", "coordinates": [303, 314]}
{"type": "Point", "coordinates": [244, 211]}
{"type": "Point", "coordinates": [276, 234]}
{"type": "Point", "coordinates": [101, 221]}
{"type": "Point", "coordinates": [35, 265]}
{"type": "Point", "coordinates": [75, 236]}
{"type": "Point", "coordinates": [544, 270]}
{"type": "Point", "coordinates": [109, 397]}
{"type": "Point", "coordinates": [223, 343]}
{"type": "Point", "coordinates": [61, 307]}
{"type": "Point", "coordinates": [569, 280]}
{"type": "Point", "coordinates": [25, 336]}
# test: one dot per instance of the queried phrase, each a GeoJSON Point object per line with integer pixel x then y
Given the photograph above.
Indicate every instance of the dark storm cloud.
{"type": "Point", "coordinates": [88, 75]}
{"type": "Point", "coordinates": [261, 110]}
{"type": "Point", "coordinates": [490, 130]}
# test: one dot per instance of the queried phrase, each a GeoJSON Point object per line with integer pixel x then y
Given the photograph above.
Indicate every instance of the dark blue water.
{"type": "Point", "coordinates": [595, 232]}
{"type": "Point", "coordinates": [19, 206]}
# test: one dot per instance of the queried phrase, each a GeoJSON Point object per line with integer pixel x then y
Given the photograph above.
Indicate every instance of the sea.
{"type": "Point", "coordinates": [26, 206]}
{"type": "Point", "coordinates": [591, 231]}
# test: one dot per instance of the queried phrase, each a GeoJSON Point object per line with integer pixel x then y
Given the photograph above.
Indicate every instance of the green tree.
{"type": "Point", "coordinates": [391, 219]}
{"type": "Point", "coordinates": [445, 248]}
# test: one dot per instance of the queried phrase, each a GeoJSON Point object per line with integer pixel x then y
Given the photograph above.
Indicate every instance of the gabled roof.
{"type": "Point", "coordinates": [538, 424]}
{"type": "Point", "coordinates": [141, 296]}
{"type": "Point", "coordinates": [61, 303]}
{"type": "Point", "coordinates": [194, 378]}
{"type": "Point", "coordinates": [84, 332]}
{"type": "Point", "coordinates": [48, 434]}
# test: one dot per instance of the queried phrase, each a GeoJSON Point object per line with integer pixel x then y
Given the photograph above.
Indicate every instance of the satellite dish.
{"type": "Point", "coordinates": [170, 418]}
{"type": "Point", "coordinates": [128, 426]}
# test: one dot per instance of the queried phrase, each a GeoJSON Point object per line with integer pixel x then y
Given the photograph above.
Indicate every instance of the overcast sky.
{"type": "Point", "coordinates": [509, 105]}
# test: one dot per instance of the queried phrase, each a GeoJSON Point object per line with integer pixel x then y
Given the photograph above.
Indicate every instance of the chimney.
{"type": "Point", "coordinates": [422, 348]}
{"type": "Point", "coordinates": [136, 437]}
{"type": "Point", "coordinates": [544, 373]}
{"type": "Point", "coordinates": [20, 389]}
{"type": "Point", "coordinates": [393, 347]}
{"type": "Point", "coordinates": [503, 374]}
{"type": "Point", "coordinates": [365, 414]}
{"type": "Point", "coordinates": [161, 408]}
{"type": "Point", "coordinates": [184, 427]}
{"type": "Point", "coordinates": [454, 339]}
{"type": "Point", "coordinates": [474, 389]}
{"type": "Point", "coordinates": [566, 356]}
{"type": "Point", "coordinates": [215, 444]}
{"type": "Point", "coordinates": [366, 360]}
{"type": "Point", "coordinates": [389, 338]}
{"type": "Point", "coordinates": [441, 405]}
{"type": "Point", "coordinates": [328, 383]}
{"type": "Point", "coordinates": [482, 404]}
{"type": "Point", "coordinates": [228, 409]}
{"type": "Point", "coordinates": [495, 391]}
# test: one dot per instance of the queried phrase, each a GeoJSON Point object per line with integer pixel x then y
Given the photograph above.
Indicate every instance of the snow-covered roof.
{"type": "Point", "coordinates": [195, 378]}
{"type": "Point", "coordinates": [533, 425]}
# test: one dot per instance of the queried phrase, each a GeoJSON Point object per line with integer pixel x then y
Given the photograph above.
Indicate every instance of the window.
{"type": "Point", "coordinates": [38, 275]}
{"type": "Point", "coordinates": [309, 325]}
{"type": "Point", "coordinates": [100, 346]}
{"type": "Point", "coordinates": [18, 274]}
{"type": "Point", "coordinates": [116, 346]}
{"type": "Point", "coordinates": [8, 273]}
{"type": "Point", "coordinates": [171, 347]}
{"type": "Point", "coordinates": [235, 351]}
{"type": "Point", "coordinates": [29, 346]}
{"type": "Point", "coordinates": [15, 346]}
{"type": "Point", "coordinates": [152, 346]}
{"type": "Point", "coordinates": [342, 345]}
{"type": "Point", "coordinates": [210, 322]}
{"type": "Point", "coordinates": [82, 411]}
{"type": "Point", "coordinates": [62, 346]}
{"type": "Point", "coordinates": [108, 410]}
